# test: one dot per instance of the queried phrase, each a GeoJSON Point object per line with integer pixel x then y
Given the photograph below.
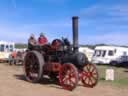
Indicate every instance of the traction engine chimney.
{"type": "Point", "coordinates": [75, 33]}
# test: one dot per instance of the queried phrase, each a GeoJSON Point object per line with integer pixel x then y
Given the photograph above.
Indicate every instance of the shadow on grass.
{"type": "Point", "coordinates": [102, 79]}
{"type": "Point", "coordinates": [8, 64]}
{"type": "Point", "coordinates": [20, 77]}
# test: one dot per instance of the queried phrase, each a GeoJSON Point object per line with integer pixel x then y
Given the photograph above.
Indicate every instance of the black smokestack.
{"type": "Point", "coordinates": [75, 32]}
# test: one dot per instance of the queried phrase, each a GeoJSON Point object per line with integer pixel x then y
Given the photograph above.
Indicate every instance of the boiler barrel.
{"type": "Point", "coordinates": [75, 33]}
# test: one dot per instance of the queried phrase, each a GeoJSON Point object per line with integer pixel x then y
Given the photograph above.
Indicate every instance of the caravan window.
{"type": "Point", "coordinates": [110, 53]}
{"type": "Point", "coordinates": [7, 48]}
{"type": "Point", "coordinates": [2, 48]}
{"type": "Point", "coordinates": [97, 53]}
{"type": "Point", "coordinates": [103, 53]}
{"type": "Point", "coordinates": [94, 53]}
{"type": "Point", "coordinates": [124, 53]}
{"type": "Point", "coordinates": [11, 48]}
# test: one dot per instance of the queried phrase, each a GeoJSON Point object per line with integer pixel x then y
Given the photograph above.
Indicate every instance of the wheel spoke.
{"type": "Point", "coordinates": [94, 73]}
{"type": "Point", "coordinates": [91, 82]}
{"type": "Point", "coordinates": [88, 68]}
{"type": "Point", "coordinates": [65, 79]}
{"type": "Point", "coordinates": [71, 82]}
{"type": "Point", "coordinates": [94, 77]}
{"type": "Point", "coordinates": [93, 69]}
{"type": "Point", "coordinates": [85, 69]}
{"type": "Point", "coordinates": [84, 74]}
{"type": "Point", "coordinates": [85, 79]}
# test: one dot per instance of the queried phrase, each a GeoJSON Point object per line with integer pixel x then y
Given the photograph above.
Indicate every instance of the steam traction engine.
{"type": "Point", "coordinates": [62, 61]}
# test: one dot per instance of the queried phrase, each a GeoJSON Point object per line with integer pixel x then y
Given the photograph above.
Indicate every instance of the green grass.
{"type": "Point", "coordinates": [121, 76]}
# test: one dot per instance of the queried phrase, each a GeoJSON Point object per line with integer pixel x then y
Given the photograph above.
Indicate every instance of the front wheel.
{"type": "Point", "coordinates": [89, 75]}
{"type": "Point", "coordinates": [68, 76]}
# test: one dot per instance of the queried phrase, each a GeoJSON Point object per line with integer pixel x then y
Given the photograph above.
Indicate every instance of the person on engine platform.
{"type": "Point", "coordinates": [31, 42]}
{"type": "Point", "coordinates": [42, 40]}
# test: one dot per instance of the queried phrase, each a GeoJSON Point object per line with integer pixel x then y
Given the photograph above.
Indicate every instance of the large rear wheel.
{"type": "Point", "coordinates": [33, 66]}
{"type": "Point", "coordinates": [68, 76]}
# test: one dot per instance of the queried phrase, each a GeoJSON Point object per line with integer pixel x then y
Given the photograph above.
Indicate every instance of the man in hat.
{"type": "Point", "coordinates": [32, 42]}
{"type": "Point", "coordinates": [42, 40]}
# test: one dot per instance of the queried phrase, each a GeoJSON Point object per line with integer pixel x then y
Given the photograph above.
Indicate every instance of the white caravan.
{"type": "Point", "coordinates": [5, 50]}
{"type": "Point", "coordinates": [110, 55]}
{"type": "Point", "coordinates": [87, 51]}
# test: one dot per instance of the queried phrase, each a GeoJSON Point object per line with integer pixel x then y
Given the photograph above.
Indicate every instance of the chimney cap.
{"type": "Point", "coordinates": [75, 17]}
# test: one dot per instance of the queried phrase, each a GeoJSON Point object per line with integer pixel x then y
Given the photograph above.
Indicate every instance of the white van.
{"type": "Point", "coordinates": [110, 55]}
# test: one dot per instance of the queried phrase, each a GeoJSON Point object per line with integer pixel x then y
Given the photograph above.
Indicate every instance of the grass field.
{"type": "Point", "coordinates": [121, 76]}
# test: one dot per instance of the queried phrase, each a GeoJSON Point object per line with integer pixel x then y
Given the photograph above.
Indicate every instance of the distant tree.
{"type": "Point", "coordinates": [20, 45]}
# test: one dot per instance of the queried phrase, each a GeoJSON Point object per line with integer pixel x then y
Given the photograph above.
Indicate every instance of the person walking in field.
{"type": "Point", "coordinates": [12, 58]}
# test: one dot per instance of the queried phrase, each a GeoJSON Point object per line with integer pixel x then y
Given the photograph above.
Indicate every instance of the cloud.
{"type": "Point", "coordinates": [99, 23]}
{"type": "Point", "coordinates": [119, 10]}
{"type": "Point", "coordinates": [20, 33]}
{"type": "Point", "coordinates": [107, 24]}
{"type": "Point", "coordinates": [109, 35]}
{"type": "Point", "coordinates": [107, 38]}
{"type": "Point", "coordinates": [105, 11]}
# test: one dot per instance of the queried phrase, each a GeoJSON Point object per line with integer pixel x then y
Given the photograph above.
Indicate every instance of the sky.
{"type": "Point", "coordinates": [100, 21]}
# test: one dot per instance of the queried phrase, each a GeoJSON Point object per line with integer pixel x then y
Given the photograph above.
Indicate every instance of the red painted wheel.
{"type": "Point", "coordinates": [68, 76]}
{"type": "Point", "coordinates": [89, 75]}
{"type": "Point", "coordinates": [33, 66]}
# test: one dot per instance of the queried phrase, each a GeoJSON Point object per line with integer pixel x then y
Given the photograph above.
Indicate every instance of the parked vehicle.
{"type": "Point", "coordinates": [61, 61]}
{"type": "Point", "coordinates": [113, 55]}
{"type": "Point", "coordinates": [5, 50]}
